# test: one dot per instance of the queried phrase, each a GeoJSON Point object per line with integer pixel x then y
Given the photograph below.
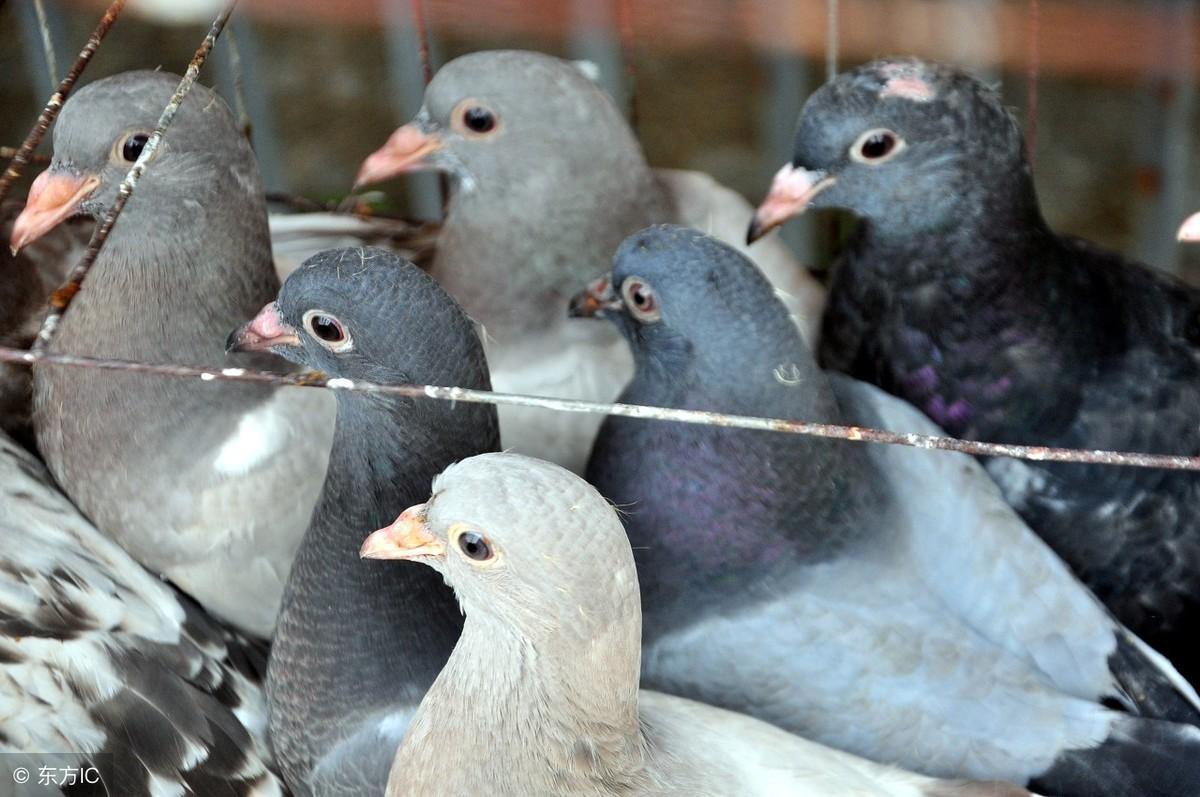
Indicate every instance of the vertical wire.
{"type": "Point", "coordinates": [832, 39]}
{"type": "Point", "coordinates": [1034, 56]}
{"type": "Point", "coordinates": [47, 42]}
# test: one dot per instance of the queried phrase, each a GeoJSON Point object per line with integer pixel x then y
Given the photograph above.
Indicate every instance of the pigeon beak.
{"type": "Point", "coordinates": [406, 151]}
{"type": "Point", "coordinates": [791, 192]}
{"type": "Point", "coordinates": [407, 538]}
{"type": "Point", "coordinates": [53, 198]}
{"type": "Point", "coordinates": [1190, 231]}
{"type": "Point", "coordinates": [595, 300]}
{"type": "Point", "coordinates": [264, 332]}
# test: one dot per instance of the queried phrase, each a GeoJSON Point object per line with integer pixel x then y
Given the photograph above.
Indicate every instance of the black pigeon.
{"type": "Point", "coordinates": [358, 643]}
{"type": "Point", "coordinates": [955, 295]}
{"type": "Point", "coordinates": [880, 599]}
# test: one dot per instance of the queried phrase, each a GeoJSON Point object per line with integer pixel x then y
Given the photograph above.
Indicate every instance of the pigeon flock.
{"type": "Point", "coordinates": [195, 592]}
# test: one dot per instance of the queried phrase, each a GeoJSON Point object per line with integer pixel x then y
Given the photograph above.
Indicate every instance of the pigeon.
{"type": "Point", "coordinates": [955, 295]}
{"type": "Point", "coordinates": [188, 478]}
{"type": "Point", "coordinates": [880, 599]}
{"type": "Point", "coordinates": [546, 179]}
{"type": "Point", "coordinates": [29, 277]}
{"type": "Point", "coordinates": [108, 675]}
{"type": "Point", "coordinates": [357, 645]}
{"type": "Point", "coordinates": [1190, 231]}
{"type": "Point", "coordinates": [540, 696]}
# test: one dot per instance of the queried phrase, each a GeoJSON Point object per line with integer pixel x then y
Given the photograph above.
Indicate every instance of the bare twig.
{"type": "Point", "coordinates": [62, 297]}
{"type": "Point", "coordinates": [853, 433]}
{"type": "Point", "coordinates": [39, 8]}
{"type": "Point", "coordinates": [17, 165]}
{"type": "Point", "coordinates": [7, 153]}
{"type": "Point", "coordinates": [418, 18]}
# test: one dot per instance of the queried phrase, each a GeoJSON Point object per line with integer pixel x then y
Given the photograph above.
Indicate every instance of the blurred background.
{"type": "Point", "coordinates": [1106, 88]}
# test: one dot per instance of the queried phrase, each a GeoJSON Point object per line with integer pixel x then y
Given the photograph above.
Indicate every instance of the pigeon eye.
{"type": "Point", "coordinates": [328, 331]}
{"type": "Point", "coordinates": [640, 299]}
{"type": "Point", "coordinates": [133, 145]}
{"type": "Point", "coordinates": [474, 118]}
{"type": "Point", "coordinates": [479, 119]}
{"type": "Point", "coordinates": [475, 546]}
{"type": "Point", "coordinates": [876, 146]}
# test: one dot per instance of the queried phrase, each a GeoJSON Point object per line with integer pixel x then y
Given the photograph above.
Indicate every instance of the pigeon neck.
{"type": "Point", "coordinates": [514, 255]}
{"type": "Point", "coordinates": [528, 717]}
{"type": "Point", "coordinates": [721, 515]}
{"type": "Point", "coordinates": [355, 638]}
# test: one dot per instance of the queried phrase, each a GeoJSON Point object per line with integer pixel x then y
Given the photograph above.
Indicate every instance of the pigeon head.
{"type": "Point", "coordinates": [524, 543]}
{"type": "Point", "coordinates": [906, 145]}
{"type": "Point", "coordinates": [490, 117]}
{"type": "Point", "coordinates": [686, 301]}
{"type": "Point", "coordinates": [100, 133]}
{"type": "Point", "coordinates": [367, 314]}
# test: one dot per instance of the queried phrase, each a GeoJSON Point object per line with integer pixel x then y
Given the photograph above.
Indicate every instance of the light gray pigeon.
{"type": "Point", "coordinates": [540, 696]}
{"type": "Point", "coordinates": [1190, 230]}
{"type": "Point", "coordinates": [357, 644]}
{"type": "Point", "coordinates": [108, 675]}
{"type": "Point", "coordinates": [186, 476]}
{"type": "Point", "coordinates": [877, 598]}
{"type": "Point", "coordinates": [547, 179]}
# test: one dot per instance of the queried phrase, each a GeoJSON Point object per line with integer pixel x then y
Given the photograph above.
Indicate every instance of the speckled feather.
{"type": "Point", "coordinates": [103, 661]}
{"type": "Point", "coordinates": [880, 599]}
{"type": "Point", "coordinates": [955, 295]}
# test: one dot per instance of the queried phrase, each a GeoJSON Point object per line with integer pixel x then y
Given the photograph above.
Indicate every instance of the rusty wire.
{"type": "Point", "coordinates": [627, 36]}
{"type": "Point", "coordinates": [833, 431]}
{"type": "Point", "coordinates": [418, 19]}
{"type": "Point", "coordinates": [61, 299]}
{"type": "Point", "coordinates": [17, 164]}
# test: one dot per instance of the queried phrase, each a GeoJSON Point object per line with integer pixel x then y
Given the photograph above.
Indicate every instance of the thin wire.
{"type": "Point", "coordinates": [61, 299]}
{"type": "Point", "coordinates": [21, 158]}
{"type": "Point", "coordinates": [1033, 31]}
{"type": "Point", "coordinates": [418, 17]}
{"type": "Point", "coordinates": [627, 35]}
{"type": "Point", "coordinates": [47, 41]}
{"type": "Point", "coordinates": [832, 39]}
{"type": "Point", "coordinates": [834, 431]}
{"type": "Point", "coordinates": [239, 88]}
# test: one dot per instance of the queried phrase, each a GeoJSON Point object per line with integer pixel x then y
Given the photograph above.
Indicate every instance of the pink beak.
{"type": "Point", "coordinates": [791, 192]}
{"type": "Point", "coordinates": [262, 333]}
{"type": "Point", "coordinates": [406, 538]}
{"type": "Point", "coordinates": [405, 151]}
{"type": "Point", "coordinates": [53, 198]}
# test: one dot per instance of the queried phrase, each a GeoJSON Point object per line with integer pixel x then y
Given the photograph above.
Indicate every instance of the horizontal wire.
{"type": "Point", "coordinates": [835, 431]}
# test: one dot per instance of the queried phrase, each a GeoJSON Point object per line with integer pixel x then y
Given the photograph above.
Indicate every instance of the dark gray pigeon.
{"type": "Point", "coordinates": [540, 696]}
{"type": "Point", "coordinates": [108, 674]}
{"type": "Point", "coordinates": [880, 599]}
{"type": "Point", "coordinates": [547, 179]}
{"type": "Point", "coordinates": [955, 295]}
{"type": "Point", "coordinates": [187, 477]}
{"type": "Point", "coordinates": [357, 643]}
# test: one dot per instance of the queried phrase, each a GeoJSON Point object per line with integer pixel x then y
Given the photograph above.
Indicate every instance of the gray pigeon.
{"type": "Point", "coordinates": [547, 180]}
{"type": "Point", "coordinates": [880, 599]}
{"type": "Point", "coordinates": [1190, 230]}
{"type": "Point", "coordinates": [540, 696]}
{"type": "Point", "coordinates": [108, 675]}
{"type": "Point", "coordinates": [358, 644]}
{"type": "Point", "coordinates": [188, 477]}
{"type": "Point", "coordinates": [954, 294]}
